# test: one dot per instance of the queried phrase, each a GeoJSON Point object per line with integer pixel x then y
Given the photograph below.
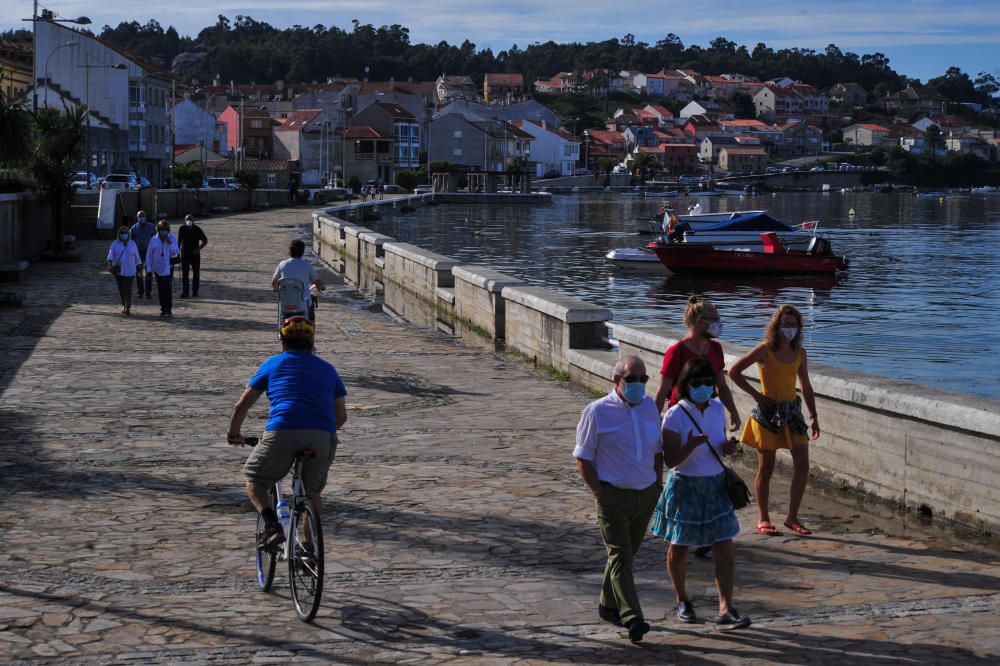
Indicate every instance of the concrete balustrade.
{"type": "Point", "coordinates": [478, 299]}
{"type": "Point", "coordinates": [898, 441]}
{"type": "Point", "coordinates": [544, 325]}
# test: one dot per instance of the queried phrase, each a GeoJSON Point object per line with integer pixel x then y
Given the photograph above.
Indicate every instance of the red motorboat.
{"type": "Point", "coordinates": [775, 259]}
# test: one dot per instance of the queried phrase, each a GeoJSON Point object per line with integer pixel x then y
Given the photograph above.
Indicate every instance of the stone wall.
{"type": "Point", "coordinates": [898, 441]}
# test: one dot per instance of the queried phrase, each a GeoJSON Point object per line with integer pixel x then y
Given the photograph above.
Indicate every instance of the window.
{"type": "Point", "coordinates": [457, 152]}
{"type": "Point", "coordinates": [415, 132]}
{"type": "Point", "coordinates": [272, 179]}
{"type": "Point", "coordinates": [458, 134]}
{"type": "Point", "coordinates": [256, 124]}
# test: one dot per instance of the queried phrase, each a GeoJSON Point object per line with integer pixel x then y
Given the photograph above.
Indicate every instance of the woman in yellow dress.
{"type": "Point", "coordinates": [777, 422]}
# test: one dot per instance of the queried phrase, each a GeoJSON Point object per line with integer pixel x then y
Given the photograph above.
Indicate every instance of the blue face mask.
{"type": "Point", "coordinates": [701, 394]}
{"type": "Point", "coordinates": [634, 392]}
{"type": "Point", "coordinates": [124, 237]}
{"type": "Point", "coordinates": [163, 234]}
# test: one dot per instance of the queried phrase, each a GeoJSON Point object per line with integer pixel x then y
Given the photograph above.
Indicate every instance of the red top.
{"type": "Point", "coordinates": [679, 354]}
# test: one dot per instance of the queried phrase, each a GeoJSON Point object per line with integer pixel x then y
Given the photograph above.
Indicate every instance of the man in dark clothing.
{"type": "Point", "coordinates": [142, 232]}
{"type": "Point", "coordinates": [191, 240]}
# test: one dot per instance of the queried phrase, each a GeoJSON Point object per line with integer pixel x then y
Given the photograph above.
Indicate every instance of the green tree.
{"type": "Point", "coordinates": [58, 145]}
{"type": "Point", "coordinates": [406, 178]}
{"type": "Point", "coordinates": [933, 139]}
{"type": "Point", "coordinates": [248, 180]}
{"type": "Point", "coordinates": [15, 130]}
{"type": "Point", "coordinates": [188, 174]}
{"type": "Point", "coordinates": [643, 165]}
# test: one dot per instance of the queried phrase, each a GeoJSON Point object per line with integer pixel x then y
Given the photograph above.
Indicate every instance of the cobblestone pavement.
{"type": "Point", "coordinates": [457, 529]}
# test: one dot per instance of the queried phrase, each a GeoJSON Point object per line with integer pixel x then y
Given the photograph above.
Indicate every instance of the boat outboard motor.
{"type": "Point", "coordinates": [677, 235]}
{"type": "Point", "coordinates": [820, 247]}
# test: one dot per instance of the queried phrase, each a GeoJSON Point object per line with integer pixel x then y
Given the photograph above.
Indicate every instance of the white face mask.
{"type": "Point", "coordinates": [789, 332]}
{"type": "Point", "coordinates": [188, 222]}
{"type": "Point", "coordinates": [715, 330]}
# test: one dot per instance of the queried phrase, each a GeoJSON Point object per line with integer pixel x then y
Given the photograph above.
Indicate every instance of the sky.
{"type": "Point", "coordinates": [921, 38]}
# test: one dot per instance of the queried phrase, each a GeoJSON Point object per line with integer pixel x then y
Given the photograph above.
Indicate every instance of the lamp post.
{"type": "Point", "coordinates": [46, 16]}
{"type": "Point", "coordinates": [576, 163]}
{"type": "Point", "coordinates": [87, 68]}
{"type": "Point", "coordinates": [343, 146]}
{"type": "Point", "coordinates": [204, 137]}
{"type": "Point", "coordinates": [47, 82]}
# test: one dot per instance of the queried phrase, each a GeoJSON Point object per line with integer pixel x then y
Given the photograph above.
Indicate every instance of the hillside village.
{"type": "Point", "coordinates": [146, 120]}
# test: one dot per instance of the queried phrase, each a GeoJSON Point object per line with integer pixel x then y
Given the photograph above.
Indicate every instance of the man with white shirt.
{"type": "Point", "coordinates": [619, 455]}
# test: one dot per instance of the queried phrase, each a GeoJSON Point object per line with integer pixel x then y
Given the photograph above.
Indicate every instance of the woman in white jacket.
{"type": "Point", "coordinates": [123, 258]}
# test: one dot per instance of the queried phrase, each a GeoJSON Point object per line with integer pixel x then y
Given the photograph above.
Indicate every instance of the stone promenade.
{"type": "Point", "coordinates": [457, 529]}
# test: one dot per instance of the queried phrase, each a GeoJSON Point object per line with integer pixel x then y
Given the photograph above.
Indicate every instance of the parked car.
{"type": "Point", "coordinates": [395, 189]}
{"type": "Point", "coordinates": [773, 169]}
{"type": "Point", "coordinates": [582, 172]}
{"type": "Point", "coordinates": [423, 189]}
{"type": "Point", "coordinates": [619, 170]}
{"type": "Point", "coordinates": [84, 181]}
{"type": "Point", "coordinates": [818, 168]}
{"type": "Point", "coordinates": [120, 181]}
{"type": "Point", "coordinates": [551, 173]}
{"type": "Point", "coordinates": [222, 183]}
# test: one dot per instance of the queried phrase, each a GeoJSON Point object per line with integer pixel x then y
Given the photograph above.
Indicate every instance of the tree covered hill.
{"type": "Point", "coordinates": [247, 50]}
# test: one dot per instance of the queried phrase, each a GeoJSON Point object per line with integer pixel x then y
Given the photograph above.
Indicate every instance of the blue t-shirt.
{"type": "Point", "coordinates": [301, 387]}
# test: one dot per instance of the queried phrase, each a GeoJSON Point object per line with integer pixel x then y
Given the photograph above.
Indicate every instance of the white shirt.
{"type": "Point", "coordinates": [620, 440]}
{"type": "Point", "coordinates": [299, 269]}
{"type": "Point", "coordinates": [125, 255]}
{"type": "Point", "coordinates": [158, 254]}
{"type": "Point", "coordinates": [701, 462]}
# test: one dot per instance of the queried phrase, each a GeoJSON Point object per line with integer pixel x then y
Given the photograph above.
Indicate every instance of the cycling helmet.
{"type": "Point", "coordinates": [297, 328]}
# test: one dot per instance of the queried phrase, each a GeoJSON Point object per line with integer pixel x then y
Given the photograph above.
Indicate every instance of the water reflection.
{"type": "Point", "coordinates": [919, 302]}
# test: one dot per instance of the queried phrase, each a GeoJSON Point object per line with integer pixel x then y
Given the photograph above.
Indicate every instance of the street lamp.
{"type": "Point", "coordinates": [46, 16]}
{"type": "Point", "coordinates": [87, 68]}
{"type": "Point", "coordinates": [577, 162]}
{"type": "Point", "coordinates": [47, 82]}
{"type": "Point", "coordinates": [343, 146]}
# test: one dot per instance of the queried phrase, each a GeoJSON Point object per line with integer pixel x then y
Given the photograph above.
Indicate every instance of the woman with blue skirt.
{"type": "Point", "coordinates": [694, 509]}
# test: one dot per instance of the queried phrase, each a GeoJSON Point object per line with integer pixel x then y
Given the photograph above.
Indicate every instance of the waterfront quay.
{"type": "Point", "coordinates": [457, 529]}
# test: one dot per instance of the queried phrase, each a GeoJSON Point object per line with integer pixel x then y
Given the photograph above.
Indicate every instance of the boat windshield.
{"type": "Point", "coordinates": [751, 222]}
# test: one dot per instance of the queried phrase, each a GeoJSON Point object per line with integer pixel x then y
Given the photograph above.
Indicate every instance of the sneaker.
{"type": "Point", "coordinates": [272, 537]}
{"type": "Point", "coordinates": [731, 620]}
{"type": "Point", "coordinates": [637, 628]}
{"type": "Point", "coordinates": [609, 614]}
{"type": "Point", "coordinates": [685, 612]}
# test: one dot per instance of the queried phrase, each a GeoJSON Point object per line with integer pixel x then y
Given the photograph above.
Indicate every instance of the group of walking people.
{"type": "Point", "coordinates": [640, 468]}
{"type": "Point", "coordinates": [147, 252]}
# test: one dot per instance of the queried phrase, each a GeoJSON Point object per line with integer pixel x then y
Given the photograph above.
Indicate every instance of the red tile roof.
{"type": "Point", "coordinates": [366, 133]}
{"type": "Point", "coordinates": [298, 120]}
{"type": "Point", "coordinates": [735, 150]}
{"type": "Point", "coordinates": [505, 79]}
{"type": "Point", "coordinates": [395, 110]}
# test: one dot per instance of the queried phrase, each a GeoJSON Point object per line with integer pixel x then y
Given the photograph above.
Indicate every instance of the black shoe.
{"type": "Point", "coordinates": [609, 615]}
{"type": "Point", "coordinates": [702, 551]}
{"type": "Point", "coordinates": [163, 314]}
{"type": "Point", "coordinates": [731, 620]}
{"type": "Point", "coordinates": [184, 295]}
{"type": "Point", "coordinates": [272, 537]}
{"type": "Point", "coordinates": [685, 612]}
{"type": "Point", "coordinates": [637, 628]}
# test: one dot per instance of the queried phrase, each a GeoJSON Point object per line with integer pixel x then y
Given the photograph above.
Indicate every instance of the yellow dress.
{"type": "Point", "coordinates": [777, 380]}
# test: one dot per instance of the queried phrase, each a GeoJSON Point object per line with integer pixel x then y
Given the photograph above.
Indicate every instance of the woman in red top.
{"type": "Point", "coordinates": [702, 320]}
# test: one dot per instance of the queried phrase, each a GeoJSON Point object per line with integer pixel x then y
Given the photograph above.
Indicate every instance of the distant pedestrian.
{"type": "Point", "coordinates": [142, 232]}
{"type": "Point", "coordinates": [160, 257]}
{"type": "Point", "coordinates": [350, 194]}
{"type": "Point", "coordinates": [123, 260]}
{"type": "Point", "coordinates": [618, 455]}
{"type": "Point", "coordinates": [191, 240]}
{"type": "Point", "coordinates": [777, 422]}
{"type": "Point", "coordinates": [381, 192]}
{"type": "Point", "coordinates": [694, 508]}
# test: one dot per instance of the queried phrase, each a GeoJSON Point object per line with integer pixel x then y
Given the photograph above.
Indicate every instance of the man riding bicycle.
{"type": "Point", "coordinates": [308, 404]}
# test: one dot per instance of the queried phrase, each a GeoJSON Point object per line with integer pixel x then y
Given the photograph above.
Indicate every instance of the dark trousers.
{"type": "Point", "coordinates": [164, 288]}
{"type": "Point", "coordinates": [623, 516]}
{"type": "Point", "coordinates": [143, 278]}
{"type": "Point", "coordinates": [125, 289]}
{"type": "Point", "coordinates": [192, 262]}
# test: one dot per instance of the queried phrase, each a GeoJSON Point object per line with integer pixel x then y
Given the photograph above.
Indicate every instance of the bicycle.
{"type": "Point", "coordinates": [303, 547]}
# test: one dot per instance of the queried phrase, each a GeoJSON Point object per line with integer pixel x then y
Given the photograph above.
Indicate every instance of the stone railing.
{"type": "Point", "coordinates": [901, 442]}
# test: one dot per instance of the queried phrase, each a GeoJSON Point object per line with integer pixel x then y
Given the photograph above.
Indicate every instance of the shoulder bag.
{"type": "Point", "coordinates": [736, 488]}
{"type": "Point", "coordinates": [116, 267]}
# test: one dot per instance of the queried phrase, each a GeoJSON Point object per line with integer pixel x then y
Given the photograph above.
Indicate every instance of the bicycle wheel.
{"type": "Point", "coordinates": [267, 558]}
{"type": "Point", "coordinates": [305, 561]}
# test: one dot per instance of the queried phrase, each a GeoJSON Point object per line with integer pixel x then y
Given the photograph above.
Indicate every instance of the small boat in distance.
{"type": "Point", "coordinates": [635, 260]}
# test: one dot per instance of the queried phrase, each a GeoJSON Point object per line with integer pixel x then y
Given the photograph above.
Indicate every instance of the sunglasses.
{"type": "Point", "coordinates": [703, 381]}
{"type": "Point", "coordinates": [629, 379]}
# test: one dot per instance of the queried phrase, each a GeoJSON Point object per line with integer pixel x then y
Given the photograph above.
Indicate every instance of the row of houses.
{"type": "Point", "coordinates": [952, 136]}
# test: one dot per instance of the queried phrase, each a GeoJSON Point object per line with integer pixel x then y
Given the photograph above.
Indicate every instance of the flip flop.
{"type": "Point", "coordinates": [767, 529]}
{"type": "Point", "coordinates": [798, 528]}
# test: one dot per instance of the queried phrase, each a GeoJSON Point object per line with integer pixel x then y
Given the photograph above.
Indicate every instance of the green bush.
{"type": "Point", "coordinates": [354, 183]}
{"type": "Point", "coordinates": [407, 179]}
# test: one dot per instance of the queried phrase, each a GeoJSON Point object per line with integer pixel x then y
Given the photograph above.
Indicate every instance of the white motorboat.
{"type": "Point", "coordinates": [635, 260]}
{"type": "Point", "coordinates": [743, 230]}
{"type": "Point", "coordinates": [985, 189]}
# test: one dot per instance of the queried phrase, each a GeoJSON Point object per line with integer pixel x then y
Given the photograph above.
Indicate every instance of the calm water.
{"type": "Point", "coordinates": [919, 303]}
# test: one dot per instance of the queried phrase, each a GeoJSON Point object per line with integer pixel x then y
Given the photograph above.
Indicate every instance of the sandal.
{"type": "Point", "coordinates": [798, 528]}
{"type": "Point", "coordinates": [768, 529]}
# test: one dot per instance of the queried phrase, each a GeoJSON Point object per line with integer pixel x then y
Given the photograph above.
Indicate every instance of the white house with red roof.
{"type": "Point", "coordinates": [552, 149]}
{"type": "Point", "coordinates": [307, 136]}
{"type": "Point", "coordinates": [867, 134]}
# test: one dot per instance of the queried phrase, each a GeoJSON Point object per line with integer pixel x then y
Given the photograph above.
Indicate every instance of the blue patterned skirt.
{"type": "Point", "coordinates": [694, 511]}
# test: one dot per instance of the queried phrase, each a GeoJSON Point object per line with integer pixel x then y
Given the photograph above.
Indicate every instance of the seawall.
{"type": "Point", "coordinates": [905, 443]}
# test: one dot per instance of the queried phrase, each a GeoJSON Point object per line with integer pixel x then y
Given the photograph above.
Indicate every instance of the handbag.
{"type": "Point", "coordinates": [736, 488]}
{"type": "Point", "coordinates": [116, 268]}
